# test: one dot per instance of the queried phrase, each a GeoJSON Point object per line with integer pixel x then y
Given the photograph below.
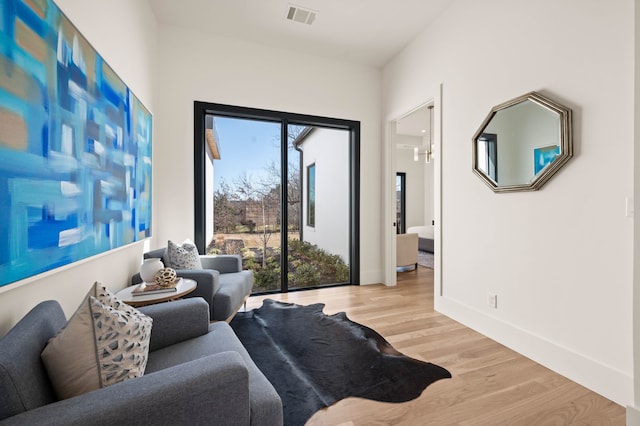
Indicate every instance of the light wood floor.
{"type": "Point", "coordinates": [491, 385]}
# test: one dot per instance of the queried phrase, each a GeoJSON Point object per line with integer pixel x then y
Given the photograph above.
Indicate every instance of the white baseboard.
{"type": "Point", "coordinates": [633, 416]}
{"type": "Point", "coordinates": [602, 379]}
{"type": "Point", "coordinates": [370, 276]}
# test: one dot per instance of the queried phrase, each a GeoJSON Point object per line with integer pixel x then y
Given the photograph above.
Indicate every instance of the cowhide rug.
{"type": "Point", "coordinates": [314, 360]}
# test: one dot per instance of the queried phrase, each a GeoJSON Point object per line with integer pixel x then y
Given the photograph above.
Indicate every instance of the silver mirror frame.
{"type": "Point", "coordinates": [565, 143]}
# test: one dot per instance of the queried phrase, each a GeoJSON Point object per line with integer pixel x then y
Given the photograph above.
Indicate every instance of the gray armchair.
{"type": "Point", "coordinates": [196, 373]}
{"type": "Point", "coordinates": [221, 282]}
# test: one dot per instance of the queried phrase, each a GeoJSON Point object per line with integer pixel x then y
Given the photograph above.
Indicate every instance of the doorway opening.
{"type": "Point", "coordinates": [413, 165]}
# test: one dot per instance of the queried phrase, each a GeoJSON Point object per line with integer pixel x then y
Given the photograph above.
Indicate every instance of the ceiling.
{"type": "Point", "coordinates": [368, 32]}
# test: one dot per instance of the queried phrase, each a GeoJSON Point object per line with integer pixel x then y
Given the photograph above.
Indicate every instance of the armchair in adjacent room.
{"type": "Point", "coordinates": [406, 250]}
{"type": "Point", "coordinates": [425, 237]}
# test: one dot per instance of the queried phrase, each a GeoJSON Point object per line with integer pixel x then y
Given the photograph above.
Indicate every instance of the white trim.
{"type": "Point", "coordinates": [437, 195]}
{"type": "Point", "coordinates": [633, 416]}
{"type": "Point", "coordinates": [389, 207]}
{"type": "Point", "coordinates": [389, 195]}
{"type": "Point", "coordinates": [600, 378]}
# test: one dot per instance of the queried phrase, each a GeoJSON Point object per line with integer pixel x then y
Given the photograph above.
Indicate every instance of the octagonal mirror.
{"type": "Point", "coordinates": [522, 143]}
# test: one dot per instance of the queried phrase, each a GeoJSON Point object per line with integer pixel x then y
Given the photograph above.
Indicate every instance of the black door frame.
{"type": "Point", "coordinates": [202, 109]}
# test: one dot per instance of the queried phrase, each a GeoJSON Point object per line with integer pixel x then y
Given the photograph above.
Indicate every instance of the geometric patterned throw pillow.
{"type": "Point", "coordinates": [104, 342]}
{"type": "Point", "coordinates": [122, 343]}
{"type": "Point", "coordinates": [100, 292]}
{"type": "Point", "coordinates": [183, 256]}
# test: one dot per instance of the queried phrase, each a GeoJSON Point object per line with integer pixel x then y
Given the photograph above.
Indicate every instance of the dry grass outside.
{"type": "Point", "coordinates": [255, 240]}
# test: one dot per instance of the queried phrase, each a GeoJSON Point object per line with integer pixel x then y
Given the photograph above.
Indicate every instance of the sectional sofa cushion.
{"type": "Point", "coordinates": [183, 256]}
{"type": "Point", "coordinates": [104, 342]}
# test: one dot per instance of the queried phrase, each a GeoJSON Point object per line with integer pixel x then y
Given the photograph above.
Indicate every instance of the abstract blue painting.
{"type": "Point", "coordinates": [75, 146]}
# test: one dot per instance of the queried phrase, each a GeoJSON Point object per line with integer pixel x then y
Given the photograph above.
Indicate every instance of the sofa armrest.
{"type": "Point", "coordinates": [177, 394]}
{"type": "Point", "coordinates": [208, 282]}
{"type": "Point", "coordinates": [225, 263]}
{"type": "Point", "coordinates": [136, 279]}
{"type": "Point", "coordinates": [206, 278]}
{"type": "Point", "coordinates": [177, 321]}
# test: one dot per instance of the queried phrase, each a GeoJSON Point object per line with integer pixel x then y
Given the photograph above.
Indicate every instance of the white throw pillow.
{"type": "Point", "coordinates": [104, 342]}
{"type": "Point", "coordinates": [183, 256]}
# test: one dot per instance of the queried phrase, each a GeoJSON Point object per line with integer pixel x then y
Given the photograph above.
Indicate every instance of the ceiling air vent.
{"type": "Point", "coordinates": [300, 14]}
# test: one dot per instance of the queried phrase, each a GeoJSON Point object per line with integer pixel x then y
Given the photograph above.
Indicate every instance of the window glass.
{"type": "Point", "coordinates": [311, 195]}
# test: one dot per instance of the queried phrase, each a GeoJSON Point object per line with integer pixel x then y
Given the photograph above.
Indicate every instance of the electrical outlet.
{"type": "Point", "coordinates": [492, 300]}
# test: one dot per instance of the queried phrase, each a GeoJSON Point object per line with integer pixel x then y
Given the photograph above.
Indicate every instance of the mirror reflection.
{"type": "Point", "coordinates": [522, 143]}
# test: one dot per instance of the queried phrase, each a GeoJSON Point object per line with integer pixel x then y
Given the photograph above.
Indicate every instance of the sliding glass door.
{"type": "Point", "coordinates": [319, 250]}
{"type": "Point", "coordinates": [268, 183]}
{"type": "Point", "coordinates": [246, 196]}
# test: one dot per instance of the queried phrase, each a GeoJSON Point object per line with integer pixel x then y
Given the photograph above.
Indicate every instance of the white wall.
{"type": "Point", "coordinates": [206, 68]}
{"type": "Point", "coordinates": [328, 149]}
{"type": "Point", "coordinates": [124, 33]}
{"type": "Point", "coordinates": [418, 209]}
{"type": "Point", "coordinates": [414, 186]}
{"type": "Point", "coordinates": [560, 259]}
{"type": "Point", "coordinates": [633, 412]}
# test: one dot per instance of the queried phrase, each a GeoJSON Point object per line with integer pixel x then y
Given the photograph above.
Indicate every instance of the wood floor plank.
{"type": "Point", "coordinates": [491, 384]}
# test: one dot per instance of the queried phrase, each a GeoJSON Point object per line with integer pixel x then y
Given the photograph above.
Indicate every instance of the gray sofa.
{"type": "Point", "coordinates": [221, 282]}
{"type": "Point", "coordinates": [425, 244]}
{"type": "Point", "coordinates": [197, 373]}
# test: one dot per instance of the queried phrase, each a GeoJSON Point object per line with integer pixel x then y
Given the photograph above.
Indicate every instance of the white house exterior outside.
{"type": "Point", "coordinates": [328, 150]}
